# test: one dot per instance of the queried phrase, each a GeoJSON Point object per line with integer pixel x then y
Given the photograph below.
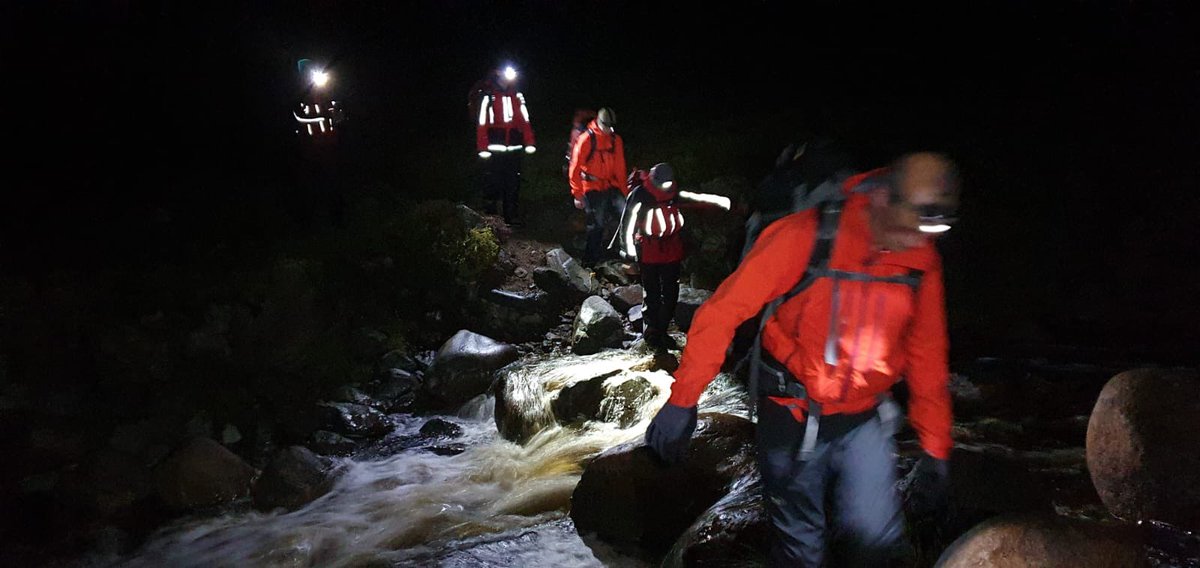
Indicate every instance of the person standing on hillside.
{"type": "Point", "coordinates": [598, 180]}
{"type": "Point", "coordinates": [503, 135]}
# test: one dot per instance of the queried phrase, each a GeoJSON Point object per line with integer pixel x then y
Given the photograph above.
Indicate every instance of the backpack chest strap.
{"type": "Point", "coordinates": [912, 279]}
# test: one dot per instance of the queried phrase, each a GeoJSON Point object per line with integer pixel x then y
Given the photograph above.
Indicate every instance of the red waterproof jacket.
{"type": "Point", "coordinates": [881, 331]}
{"type": "Point", "coordinates": [503, 121]}
{"type": "Point", "coordinates": [650, 227]}
{"type": "Point", "coordinates": [597, 162]}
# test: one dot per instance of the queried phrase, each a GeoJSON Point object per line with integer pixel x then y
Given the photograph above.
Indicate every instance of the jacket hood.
{"type": "Point", "coordinates": [594, 126]}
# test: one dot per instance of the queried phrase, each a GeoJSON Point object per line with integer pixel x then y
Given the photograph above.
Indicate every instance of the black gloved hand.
{"type": "Point", "coordinates": [670, 431]}
{"type": "Point", "coordinates": [930, 489]}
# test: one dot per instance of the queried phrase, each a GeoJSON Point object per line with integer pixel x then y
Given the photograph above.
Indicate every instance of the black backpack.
{"type": "Point", "coordinates": [805, 175]}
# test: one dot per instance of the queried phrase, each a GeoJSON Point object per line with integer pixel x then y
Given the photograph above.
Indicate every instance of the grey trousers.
{"type": "Point", "coordinates": [839, 508]}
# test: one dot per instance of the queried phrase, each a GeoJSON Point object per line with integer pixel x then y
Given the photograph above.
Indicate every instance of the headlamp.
{"type": "Point", "coordinates": [935, 218]}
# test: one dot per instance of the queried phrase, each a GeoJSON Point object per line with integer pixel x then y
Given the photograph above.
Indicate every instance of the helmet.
{"type": "Point", "coordinates": [607, 117]}
{"type": "Point", "coordinates": [662, 176]}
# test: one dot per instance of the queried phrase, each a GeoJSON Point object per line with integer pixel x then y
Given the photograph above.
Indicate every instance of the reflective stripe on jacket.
{"type": "Point", "coordinates": [650, 228]}
{"type": "Point", "coordinates": [503, 123]}
{"type": "Point", "coordinates": [598, 168]}
{"type": "Point", "coordinates": [882, 330]}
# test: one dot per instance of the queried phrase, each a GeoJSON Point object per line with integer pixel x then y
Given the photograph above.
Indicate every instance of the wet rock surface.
{"type": "Point", "coordinates": [1143, 446]}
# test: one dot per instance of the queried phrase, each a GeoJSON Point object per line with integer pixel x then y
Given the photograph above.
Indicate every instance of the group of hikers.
{"type": "Point", "coordinates": [838, 296]}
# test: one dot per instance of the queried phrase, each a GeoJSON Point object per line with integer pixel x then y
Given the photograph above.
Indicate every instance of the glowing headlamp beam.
{"type": "Point", "coordinates": [319, 78]}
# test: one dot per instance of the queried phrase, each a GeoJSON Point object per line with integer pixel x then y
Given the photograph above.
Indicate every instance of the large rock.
{"type": "Point", "coordinates": [596, 327]}
{"type": "Point", "coordinates": [982, 485]}
{"type": "Point", "coordinates": [1019, 541]}
{"type": "Point", "coordinates": [464, 365]}
{"type": "Point", "coordinates": [516, 316]}
{"type": "Point", "coordinates": [733, 532]}
{"type": "Point", "coordinates": [628, 499]}
{"type": "Point", "coordinates": [1143, 446]}
{"type": "Point", "coordinates": [354, 420]}
{"type": "Point", "coordinates": [571, 389]}
{"type": "Point", "coordinates": [202, 473]}
{"type": "Point", "coordinates": [293, 478]}
{"type": "Point", "coordinates": [564, 278]}
{"type": "Point", "coordinates": [690, 300]}
{"type": "Point", "coordinates": [625, 297]}
{"type": "Point", "coordinates": [607, 398]}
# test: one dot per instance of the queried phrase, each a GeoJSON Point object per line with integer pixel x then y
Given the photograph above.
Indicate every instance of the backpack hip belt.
{"type": "Point", "coordinates": [781, 384]}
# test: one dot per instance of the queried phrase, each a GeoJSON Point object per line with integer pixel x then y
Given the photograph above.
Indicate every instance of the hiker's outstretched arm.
{"type": "Point", "coordinates": [775, 264]}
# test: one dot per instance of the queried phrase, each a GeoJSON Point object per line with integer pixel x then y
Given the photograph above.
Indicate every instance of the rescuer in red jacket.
{"type": "Point", "coordinates": [650, 234]}
{"type": "Point", "coordinates": [598, 180]}
{"type": "Point", "coordinates": [875, 314]}
{"type": "Point", "coordinates": [503, 135]}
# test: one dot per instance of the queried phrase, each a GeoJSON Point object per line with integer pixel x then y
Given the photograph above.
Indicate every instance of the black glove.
{"type": "Point", "coordinates": [670, 432]}
{"type": "Point", "coordinates": [930, 489]}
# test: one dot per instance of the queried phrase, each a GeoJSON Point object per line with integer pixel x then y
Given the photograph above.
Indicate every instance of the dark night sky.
{"type": "Point", "coordinates": [1075, 122]}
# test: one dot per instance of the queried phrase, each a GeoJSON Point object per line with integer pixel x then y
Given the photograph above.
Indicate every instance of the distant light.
{"type": "Point", "coordinates": [934, 228]}
{"type": "Point", "coordinates": [485, 154]}
{"type": "Point", "coordinates": [510, 74]}
{"type": "Point", "coordinates": [530, 149]}
{"type": "Point", "coordinates": [319, 78]}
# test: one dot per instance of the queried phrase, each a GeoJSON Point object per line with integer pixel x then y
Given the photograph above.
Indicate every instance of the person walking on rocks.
{"type": "Point", "coordinates": [868, 309]}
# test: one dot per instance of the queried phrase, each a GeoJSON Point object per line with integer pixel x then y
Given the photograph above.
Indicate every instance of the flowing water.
{"type": "Point", "coordinates": [496, 504]}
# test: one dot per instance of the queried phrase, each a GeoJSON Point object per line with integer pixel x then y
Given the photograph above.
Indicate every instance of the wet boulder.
{"type": "Point", "coordinates": [440, 428]}
{"type": "Point", "coordinates": [596, 326]}
{"type": "Point", "coordinates": [395, 390]}
{"type": "Point", "coordinates": [516, 316]}
{"type": "Point", "coordinates": [628, 499]}
{"type": "Point", "coordinates": [608, 398]}
{"type": "Point", "coordinates": [733, 532]}
{"type": "Point", "coordinates": [527, 394]}
{"type": "Point", "coordinates": [982, 485]}
{"type": "Point", "coordinates": [1018, 541]}
{"type": "Point", "coordinates": [354, 420]}
{"type": "Point", "coordinates": [464, 366]}
{"type": "Point", "coordinates": [1143, 446]}
{"type": "Point", "coordinates": [614, 271]}
{"type": "Point", "coordinates": [293, 478]}
{"type": "Point", "coordinates": [202, 473]}
{"type": "Point", "coordinates": [625, 297]}
{"type": "Point", "coordinates": [564, 278]}
{"type": "Point", "coordinates": [690, 300]}
{"type": "Point", "coordinates": [331, 443]}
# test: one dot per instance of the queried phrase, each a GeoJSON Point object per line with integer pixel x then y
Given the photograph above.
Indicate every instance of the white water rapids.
{"type": "Point", "coordinates": [496, 504]}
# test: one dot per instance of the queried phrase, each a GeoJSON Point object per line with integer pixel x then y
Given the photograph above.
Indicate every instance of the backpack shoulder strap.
{"type": "Point", "coordinates": [592, 139]}
{"type": "Point", "coordinates": [829, 215]}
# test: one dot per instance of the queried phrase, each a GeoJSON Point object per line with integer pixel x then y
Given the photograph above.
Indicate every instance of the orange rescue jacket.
{"type": "Point", "coordinates": [597, 162]}
{"type": "Point", "coordinates": [883, 330]}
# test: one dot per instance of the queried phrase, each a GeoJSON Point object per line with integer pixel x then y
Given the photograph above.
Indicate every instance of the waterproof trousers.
{"type": "Point", "coordinates": [603, 209]}
{"type": "Point", "coordinates": [838, 508]}
{"type": "Point", "coordinates": [502, 182]}
{"type": "Point", "coordinates": [660, 282]}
